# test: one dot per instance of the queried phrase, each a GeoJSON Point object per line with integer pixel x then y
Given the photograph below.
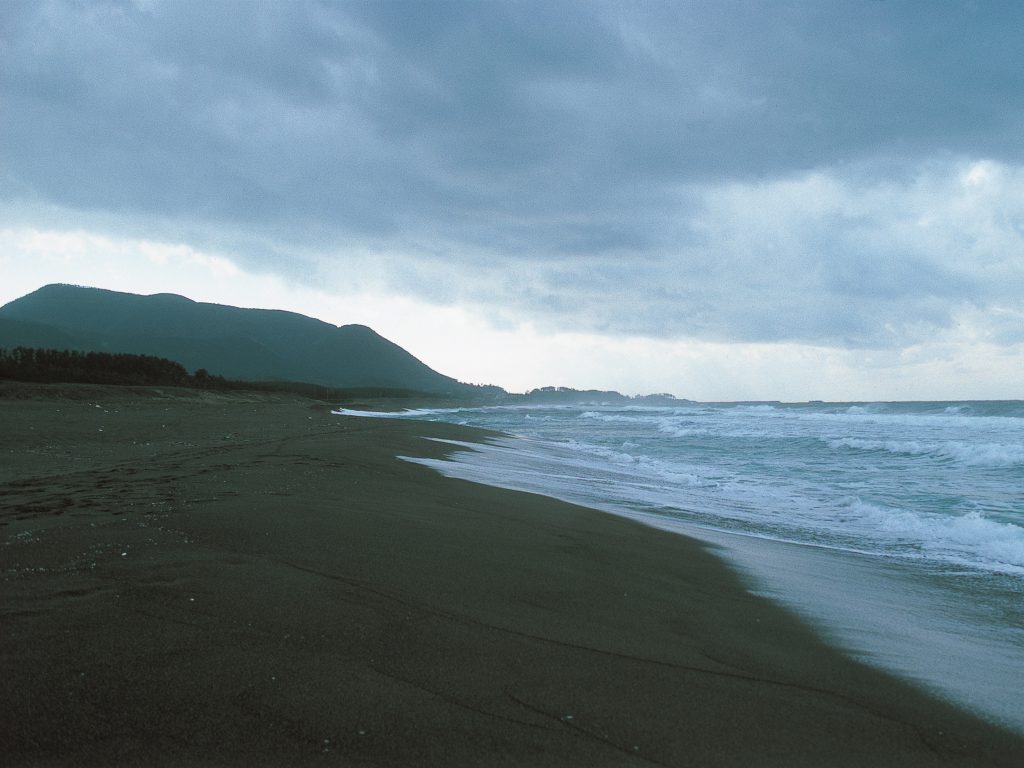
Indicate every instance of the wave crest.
{"type": "Point", "coordinates": [967, 454]}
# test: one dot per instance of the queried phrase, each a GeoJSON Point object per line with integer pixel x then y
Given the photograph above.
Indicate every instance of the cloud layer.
{"type": "Point", "coordinates": [840, 173]}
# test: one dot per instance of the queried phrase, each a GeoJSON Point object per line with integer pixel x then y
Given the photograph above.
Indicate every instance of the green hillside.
{"type": "Point", "coordinates": [250, 344]}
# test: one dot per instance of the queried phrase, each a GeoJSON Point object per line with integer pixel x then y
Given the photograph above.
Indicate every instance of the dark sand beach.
{"type": "Point", "coordinates": [196, 579]}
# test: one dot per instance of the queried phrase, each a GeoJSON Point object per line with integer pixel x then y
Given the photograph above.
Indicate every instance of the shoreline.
{"type": "Point", "coordinates": [256, 581]}
{"type": "Point", "coordinates": [846, 596]}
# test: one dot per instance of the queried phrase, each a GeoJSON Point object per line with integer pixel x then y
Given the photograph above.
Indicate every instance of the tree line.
{"type": "Point", "coordinates": [53, 366]}
{"type": "Point", "coordinates": [70, 366]}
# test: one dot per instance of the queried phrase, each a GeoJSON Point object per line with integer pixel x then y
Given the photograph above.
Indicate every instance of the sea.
{"type": "Point", "coordinates": [896, 529]}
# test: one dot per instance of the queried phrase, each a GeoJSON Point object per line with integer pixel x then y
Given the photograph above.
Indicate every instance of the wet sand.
{"type": "Point", "coordinates": [192, 579]}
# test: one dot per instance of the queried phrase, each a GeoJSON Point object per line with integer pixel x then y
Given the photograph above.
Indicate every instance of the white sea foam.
{"type": "Point", "coordinates": [968, 454]}
{"type": "Point", "coordinates": [652, 468]}
{"type": "Point", "coordinates": [676, 427]}
{"type": "Point", "coordinates": [409, 413]}
{"type": "Point", "coordinates": [911, 421]}
{"type": "Point", "coordinates": [597, 416]}
{"type": "Point", "coordinates": [965, 538]}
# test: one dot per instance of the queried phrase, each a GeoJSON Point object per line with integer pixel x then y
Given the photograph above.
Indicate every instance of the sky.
{"type": "Point", "coordinates": [725, 200]}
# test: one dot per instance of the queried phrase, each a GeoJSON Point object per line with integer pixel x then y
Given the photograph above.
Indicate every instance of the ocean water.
{"type": "Point", "coordinates": [896, 528]}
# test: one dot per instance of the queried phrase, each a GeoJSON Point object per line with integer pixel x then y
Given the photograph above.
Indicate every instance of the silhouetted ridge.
{"type": "Point", "coordinates": [251, 344]}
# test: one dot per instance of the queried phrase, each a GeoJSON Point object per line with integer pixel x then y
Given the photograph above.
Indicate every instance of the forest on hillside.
{"type": "Point", "coordinates": [53, 365]}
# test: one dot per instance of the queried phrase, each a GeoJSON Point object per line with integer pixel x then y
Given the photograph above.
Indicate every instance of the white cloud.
{"type": "Point", "coordinates": [32, 257]}
{"type": "Point", "coordinates": [833, 257]}
{"type": "Point", "coordinates": [827, 257]}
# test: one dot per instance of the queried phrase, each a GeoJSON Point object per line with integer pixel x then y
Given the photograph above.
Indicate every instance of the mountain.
{"type": "Point", "coordinates": [249, 344]}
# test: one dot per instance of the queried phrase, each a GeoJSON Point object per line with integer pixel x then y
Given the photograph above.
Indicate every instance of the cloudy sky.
{"type": "Point", "coordinates": [724, 200]}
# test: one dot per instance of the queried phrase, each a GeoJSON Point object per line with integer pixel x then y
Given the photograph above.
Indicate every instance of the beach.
{"type": "Point", "coordinates": [241, 579]}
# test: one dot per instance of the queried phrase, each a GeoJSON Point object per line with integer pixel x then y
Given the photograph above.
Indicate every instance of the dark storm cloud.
{"type": "Point", "coordinates": [566, 160]}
